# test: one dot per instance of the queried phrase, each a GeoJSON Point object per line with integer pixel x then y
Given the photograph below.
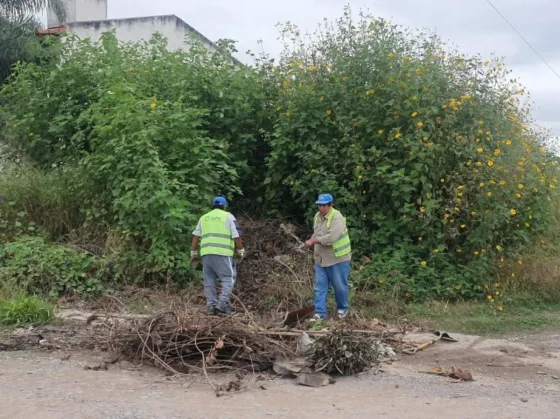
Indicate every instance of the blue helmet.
{"type": "Point", "coordinates": [324, 199]}
{"type": "Point", "coordinates": [219, 201]}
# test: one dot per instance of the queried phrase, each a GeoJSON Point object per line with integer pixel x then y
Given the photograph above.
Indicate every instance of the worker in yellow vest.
{"type": "Point", "coordinates": [332, 254]}
{"type": "Point", "coordinates": [218, 235]}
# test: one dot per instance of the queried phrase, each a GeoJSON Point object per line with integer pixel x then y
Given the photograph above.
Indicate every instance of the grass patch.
{"type": "Point", "coordinates": [25, 311]}
{"type": "Point", "coordinates": [524, 310]}
{"type": "Point", "coordinates": [482, 319]}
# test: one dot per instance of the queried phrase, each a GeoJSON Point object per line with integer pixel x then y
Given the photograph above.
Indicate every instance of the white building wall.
{"type": "Point", "coordinates": [136, 29]}
{"type": "Point", "coordinates": [80, 11]}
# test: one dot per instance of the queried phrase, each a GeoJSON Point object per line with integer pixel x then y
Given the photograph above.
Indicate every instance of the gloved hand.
{"type": "Point", "coordinates": [194, 255]}
{"type": "Point", "coordinates": [240, 254]}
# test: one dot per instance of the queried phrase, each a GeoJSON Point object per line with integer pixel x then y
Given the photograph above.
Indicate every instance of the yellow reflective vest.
{"type": "Point", "coordinates": [340, 247]}
{"type": "Point", "coordinates": [215, 238]}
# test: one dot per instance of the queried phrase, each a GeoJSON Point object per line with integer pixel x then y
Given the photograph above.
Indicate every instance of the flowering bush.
{"type": "Point", "coordinates": [429, 153]}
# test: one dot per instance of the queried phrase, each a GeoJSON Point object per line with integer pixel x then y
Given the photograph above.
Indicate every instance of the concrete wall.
{"type": "Point", "coordinates": [80, 11]}
{"type": "Point", "coordinates": [136, 29]}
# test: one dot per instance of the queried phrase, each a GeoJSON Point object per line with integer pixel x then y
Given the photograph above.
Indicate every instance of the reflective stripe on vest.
{"type": "Point", "coordinates": [341, 247]}
{"type": "Point", "coordinates": [216, 238]}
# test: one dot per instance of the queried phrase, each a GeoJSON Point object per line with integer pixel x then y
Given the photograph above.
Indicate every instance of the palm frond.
{"type": "Point", "coordinates": [17, 39]}
{"type": "Point", "coordinates": [27, 7]}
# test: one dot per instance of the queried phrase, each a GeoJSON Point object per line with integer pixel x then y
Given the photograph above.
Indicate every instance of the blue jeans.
{"type": "Point", "coordinates": [337, 276]}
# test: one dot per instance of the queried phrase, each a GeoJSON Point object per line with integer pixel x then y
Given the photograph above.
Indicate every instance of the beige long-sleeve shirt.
{"type": "Point", "coordinates": [323, 252]}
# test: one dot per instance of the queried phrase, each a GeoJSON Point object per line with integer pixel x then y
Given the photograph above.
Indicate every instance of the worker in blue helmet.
{"type": "Point", "coordinates": [332, 254]}
{"type": "Point", "coordinates": [217, 234]}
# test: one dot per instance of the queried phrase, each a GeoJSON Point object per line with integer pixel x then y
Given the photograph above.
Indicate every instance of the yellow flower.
{"type": "Point", "coordinates": [460, 187]}
{"type": "Point", "coordinates": [492, 300]}
{"type": "Point", "coordinates": [322, 99]}
{"type": "Point", "coordinates": [481, 184]}
{"type": "Point", "coordinates": [508, 142]}
{"type": "Point", "coordinates": [460, 194]}
{"type": "Point", "coordinates": [414, 97]}
{"type": "Point", "coordinates": [442, 180]}
{"type": "Point", "coordinates": [278, 108]}
{"type": "Point", "coordinates": [420, 124]}
{"type": "Point", "coordinates": [502, 182]}
{"type": "Point", "coordinates": [457, 287]}
{"type": "Point", "coordinates": [175, 180]}
{"type": "Point", "coordinates": [414, 114]}
{"type": "Point", "coordinates": [312, 68]}
{"type": "Point", "coordinates": [444, 107]}
{"type": "Point", "coordinates": [527, 225]}
{"type": "Point", "coordinates": [490, 163]}
{"type": "Point", "coordinates": [479, 163]}
{"type": "Point", "coordinates": [370, 92]}
{"type": "Point", "coordinates": [360, 177]}
{"type": "Point", "coordinates": [489, 193]}
{"type": "Point", "coordinates": [398, 134]}
{"type": "Point", "coordinates": [497, 152]}
{"type": "Point", "coordinates": [520, 262]}
{"type": "Point", "coordinates": [481, 123]}
{"type": "Point", "coordinates": [476, 252]}
{"type": "Point", "coordinates": [473, 213]}
{"type": "Point", "coordinates": [423, 263]}
{"type": "Point", "coordinates": [480, 131]}
{"type": "Point", "coordinates": [425, 89]}
{"type": "Point", "coordinates": [520, 186]}
{"type": "Point", "coordinates": [518, 195]}
{"type": "Point", "coordinates": [422, 209]}
{"type": "Point", "coordinates": [329, 111]}
{"type": "Point", "coordinates": [436, 250]}
{"type": "Point", "coordinates": [380, 132]}
{"type": "Point", "coordinates": [479, 150]}
{"type": "Point", "coordinates": [513, 212]}
{"type": "Point", "coordinates": [499, 248]}
{"type": "Point", "coordinates": [463, 226]}
{"type": "Point", "coordinates": [488, 297]}
{"type": "Point", "coordinates": [459, 251]}
{"type": "Point", "coordinates": [153, 105]}
{"type": "Point", "coordinates": [420, 239]}
{"type": "Point", "coordinates": [390, 55]}
{"type": "Point", "coordinates": [500, 308]}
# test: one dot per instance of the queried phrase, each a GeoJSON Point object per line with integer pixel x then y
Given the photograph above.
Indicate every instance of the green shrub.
{"type": "Point", "coordinates": [26, 311]}
{"type": "Point", "coordinates": [43, 268]}
{"type": "Point", "coordinates": [33, 199]}
{"type": "Point", "coordinates": [153, 135]}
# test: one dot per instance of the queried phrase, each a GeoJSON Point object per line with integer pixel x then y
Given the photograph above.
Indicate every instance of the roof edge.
{"type": "Point", "coordinates": [141, 18]}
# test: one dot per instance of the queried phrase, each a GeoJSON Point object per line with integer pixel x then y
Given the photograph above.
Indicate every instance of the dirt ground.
{"type": "Point", "coordinates": [518, 377]}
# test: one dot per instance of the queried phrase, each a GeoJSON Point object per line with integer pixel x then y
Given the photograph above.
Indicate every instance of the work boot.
{"type": "Point", "coordinates": [211, 310]}
{"type": "Point", "coordinates": [223, 309]}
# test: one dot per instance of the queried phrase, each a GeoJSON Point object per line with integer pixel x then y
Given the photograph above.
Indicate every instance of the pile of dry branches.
{"type": "Point", "coordinates": [187, 341]}
{"type": "Point", "coordinates": [276, 274]}
{"type": "Point", "coordinates": [181, 342]}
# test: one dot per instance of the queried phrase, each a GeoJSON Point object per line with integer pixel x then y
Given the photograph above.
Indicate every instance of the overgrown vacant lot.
{"type": "Point", "coordinates": [111, 152]}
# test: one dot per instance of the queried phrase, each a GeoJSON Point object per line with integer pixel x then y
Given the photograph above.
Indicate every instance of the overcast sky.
{"type": "Point", "coordinates": [470, 24]}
